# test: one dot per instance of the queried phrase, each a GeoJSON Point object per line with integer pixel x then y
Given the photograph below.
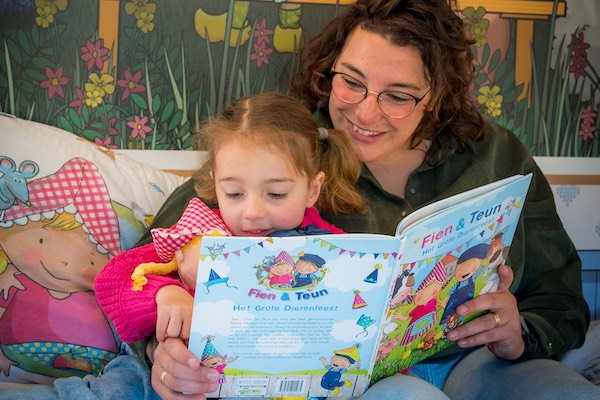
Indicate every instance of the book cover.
{"type": "Point", "coordinates": [329, 315]}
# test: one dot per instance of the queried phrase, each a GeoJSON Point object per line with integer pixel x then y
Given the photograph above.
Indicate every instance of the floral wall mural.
{"type": "Point", "coordinates": [142, 74]}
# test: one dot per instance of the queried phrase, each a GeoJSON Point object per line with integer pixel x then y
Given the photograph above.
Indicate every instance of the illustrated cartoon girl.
{"type": "Point", "coordinates": [212, 359]}
{"type": "Point", "coordinates": [52, 248]}
{"type": "Point", "coordinates": [280, 272]}
{"type": "Point", "coordinates": [424, 315]}
{"type": "Point", "coordinates": [305, 271]}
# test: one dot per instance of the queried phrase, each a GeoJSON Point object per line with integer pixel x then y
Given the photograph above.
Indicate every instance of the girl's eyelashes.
{"type": "Point", "coordinates": [233, 195]}
{"type": "Point", "coordinates": [278, 196]}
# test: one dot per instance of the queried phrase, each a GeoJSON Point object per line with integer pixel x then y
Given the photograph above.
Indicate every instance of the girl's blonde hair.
{"type": "Point", "coordinates": [283, 125]}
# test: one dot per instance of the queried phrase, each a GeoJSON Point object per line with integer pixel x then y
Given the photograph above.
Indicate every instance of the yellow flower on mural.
{"type": "Point", "coordinates": [478, 26]}
{"type": "Point", "coordinates": [55, 5]}
{"type": "Point", "coordinates": [93, 98]}
{"type": "Point", "coordinates": [136, 7]}
{"type": "Point", "coordinates": [491, 99]}
{"type": "Point", "coordinates": [45, 16]}
{"type": "Point", "coordinates": [103, 84]}
{"type": "Point", "coordinates": [145, 22]}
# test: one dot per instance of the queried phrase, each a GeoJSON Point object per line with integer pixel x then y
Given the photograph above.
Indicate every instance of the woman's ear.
{"type": "Point", "coordinates": [314, 189]}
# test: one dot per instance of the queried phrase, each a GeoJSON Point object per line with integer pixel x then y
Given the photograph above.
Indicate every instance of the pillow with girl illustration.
{"type": "Point", "coordinates": [66, 207]}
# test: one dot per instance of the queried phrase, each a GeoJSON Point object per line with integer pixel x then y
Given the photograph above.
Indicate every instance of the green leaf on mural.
{"type": "Point", "coordinates": [167, 111]}
{"type": "Point", "coordinates": [75, 118]}
{"type": "Point", "coordinates": [176, 119]}
{"type": "Point", "coordinates": [13, 50]}
{"type": "Point", "coordinates": [139, 101]}
{"type": "Point", "coordinates": [91, 134]}
{"type": "Point", "coordinates": [23, 41]}
{"type": "Point", "coordinates": [42, 62]}
{"type": "Point", "coordinates": [156, 103]}
{"type": "Point", "coordinates": [65, 124]}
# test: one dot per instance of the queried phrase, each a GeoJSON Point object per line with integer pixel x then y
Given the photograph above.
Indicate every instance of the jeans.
{"type": "Point", "coordinates": [480, 375]}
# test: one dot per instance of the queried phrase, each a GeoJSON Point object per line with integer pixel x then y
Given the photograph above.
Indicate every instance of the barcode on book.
{"type": "Point", "coordinates": [289, 386]}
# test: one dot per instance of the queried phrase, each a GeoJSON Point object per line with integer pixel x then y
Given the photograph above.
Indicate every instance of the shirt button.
{"type": "Point", "coordinates": [412, 190]}
{"type": "Point", "coordinates": [403, 213]}
{"type": "Point", "coordinates": [550, 345]}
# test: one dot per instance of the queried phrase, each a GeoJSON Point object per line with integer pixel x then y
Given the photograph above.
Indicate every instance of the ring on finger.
{"type": "Point", "coordinates": [496, 318]}
{"type": "Point", "coordinates": [162, 377]}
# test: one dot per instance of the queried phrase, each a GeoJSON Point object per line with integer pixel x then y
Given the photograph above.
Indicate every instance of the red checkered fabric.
{"type": "Point", "coordinates": [78, 187]}
{"type": "Point", "coordinates": [197, 220]}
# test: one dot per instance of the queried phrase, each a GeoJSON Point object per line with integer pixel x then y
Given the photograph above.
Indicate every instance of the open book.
{"type": "Point", "coordinates": [329, 315]}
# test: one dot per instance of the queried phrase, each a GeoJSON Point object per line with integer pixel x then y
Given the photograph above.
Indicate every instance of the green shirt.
{"type": "Point", "coordinates": [547, 269]}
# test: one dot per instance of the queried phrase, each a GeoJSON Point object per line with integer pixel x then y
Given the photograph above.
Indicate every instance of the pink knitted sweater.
{"type": "Point", "coordinates": [134, 313]}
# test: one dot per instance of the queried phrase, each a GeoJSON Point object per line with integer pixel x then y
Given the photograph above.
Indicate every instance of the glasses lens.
{"type": "Point", "coordinates": [348, 89]}
{"type": "Point", "coordinates": [396, 104]}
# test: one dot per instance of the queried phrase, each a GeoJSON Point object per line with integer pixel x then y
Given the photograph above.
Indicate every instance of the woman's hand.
{"type": "Point", "coordinates": [177, 371]}
{"type": "Point", "coordinates": [174, 310]}
{"type": "Point", "coordinates": [500, 329]}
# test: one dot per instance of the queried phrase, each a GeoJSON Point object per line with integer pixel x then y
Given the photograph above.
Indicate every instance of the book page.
{"type": "Point", "coordinates": [274, 315]}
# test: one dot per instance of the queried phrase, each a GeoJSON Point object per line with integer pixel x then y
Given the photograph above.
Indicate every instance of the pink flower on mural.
{"type": "Point", "coordinates": [94, 54]}
{"type": "Point", "coordinates": [578, 65]}
{"type": "Point", "coordinates": [588, 123]}
{"type": "Point", "coordinates": [586, 131]}
{"type": "Point", "coordinates": [579, 46]}
{"type": "Point", "coordinates": [587, 115]}
{"type": "Point", "coordinates": [579, 59]}
{"type": "Point", "coordinates": [54, 83]}
{"type": "Point", "coordinates": [139, 127]}
{"type": "Point", "coordinates": [262, 33]}
{"type": "Point", "coordinates": [106, 143]}
{"type": "Point", "coordinates": [260, 54]}
{"type": "Point", "coordinates": [110, 125]}
{"type": "Point", "coordinates": [79, 101]}
{"type": "Point", "coordinates": [131, 84]}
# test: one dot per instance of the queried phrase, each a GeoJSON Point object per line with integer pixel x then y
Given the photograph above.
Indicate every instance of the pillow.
{"type": "Point", "coordinates": [66, 207]}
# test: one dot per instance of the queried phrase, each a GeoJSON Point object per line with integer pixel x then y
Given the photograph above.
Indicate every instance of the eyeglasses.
{"type": "Point", "coordinates": [392, 103]}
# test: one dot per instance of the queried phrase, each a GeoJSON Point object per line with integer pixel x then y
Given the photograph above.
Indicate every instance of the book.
{"type": "Point", "coordinates": [329, 315]}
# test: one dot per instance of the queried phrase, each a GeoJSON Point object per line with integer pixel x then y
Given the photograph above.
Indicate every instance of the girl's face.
{"type": "Point", "coordinates": [380, 66]}
{"type": "Point", "coordinates": [259, 192]}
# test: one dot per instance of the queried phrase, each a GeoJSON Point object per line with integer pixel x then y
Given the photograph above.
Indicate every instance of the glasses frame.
{"type": "Point", "coordinates": [367, 91]}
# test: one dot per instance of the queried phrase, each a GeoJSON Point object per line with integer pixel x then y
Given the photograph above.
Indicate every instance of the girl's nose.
{"type": "Point", "coordinates": [254, 208]}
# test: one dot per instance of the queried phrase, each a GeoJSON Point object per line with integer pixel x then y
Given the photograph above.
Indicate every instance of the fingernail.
{"type": "Point", "coordinates": [212, 375]}
{"type": "Point", "coordinates": [193, 363]}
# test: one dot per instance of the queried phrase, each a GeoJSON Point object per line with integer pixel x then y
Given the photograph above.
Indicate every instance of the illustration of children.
{"type": "Point", "coordinates": [342, 361]}
{"type": "Point", "coordinates": [212, 359]}
{"type": "Point", "coordinates": [305, 271]}
{"type": "Point", "coordinates": [50, 322]}
{"type": "Point", "coordinates": [424, 315]}
{"type": "Point", "coordinates": [280, 272]}
{"type": "Point", "coordinates": [467, 270]}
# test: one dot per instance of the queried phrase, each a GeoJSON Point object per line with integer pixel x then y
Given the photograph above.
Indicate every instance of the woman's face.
{"type": "Point", "coordinates": [380, 66]}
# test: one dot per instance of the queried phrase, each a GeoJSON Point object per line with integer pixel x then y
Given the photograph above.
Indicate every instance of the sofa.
{"type": "Point", "coordinates": [67, 206]}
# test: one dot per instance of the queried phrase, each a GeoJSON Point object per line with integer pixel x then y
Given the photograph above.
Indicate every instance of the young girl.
{"type": "Point", "coordinates": [269, 168]}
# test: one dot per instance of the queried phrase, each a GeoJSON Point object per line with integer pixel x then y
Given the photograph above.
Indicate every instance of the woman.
{"type": "Point", "coordinates": [394, 76]}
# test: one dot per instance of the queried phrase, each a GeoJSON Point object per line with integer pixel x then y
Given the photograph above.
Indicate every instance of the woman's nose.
{"type": "Point", "coordinates": [368, 110]}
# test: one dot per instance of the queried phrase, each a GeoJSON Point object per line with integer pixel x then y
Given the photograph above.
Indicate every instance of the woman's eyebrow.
{"type": "Point", "coordinates": [400, 85]}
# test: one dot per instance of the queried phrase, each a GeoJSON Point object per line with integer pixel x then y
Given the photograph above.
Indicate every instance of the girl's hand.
{"type": "Point", "coordinates": [174, 309]}
{"type": "Point", "coordinates": [500, 329]}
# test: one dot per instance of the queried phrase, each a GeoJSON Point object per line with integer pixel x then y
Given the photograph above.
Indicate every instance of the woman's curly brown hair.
{"type": "Point", "coordinates": [451, 120]}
